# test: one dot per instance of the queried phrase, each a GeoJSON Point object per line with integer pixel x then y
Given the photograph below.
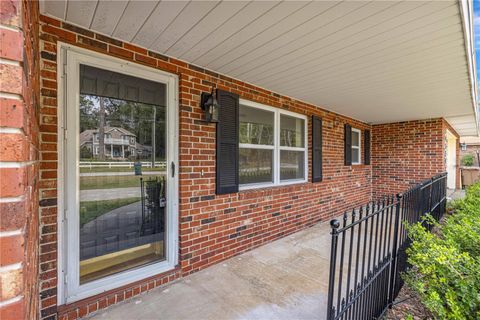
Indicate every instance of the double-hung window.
{"type": "Point", "coordinates": [356, 146]}
{"type": "Point", "coordinates": [273, 146]}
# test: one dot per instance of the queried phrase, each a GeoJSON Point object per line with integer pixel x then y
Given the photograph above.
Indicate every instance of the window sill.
{"type": "Point", "coordinates": [360, 165]}
{"type": "Point", "coordinates": [254, 187]}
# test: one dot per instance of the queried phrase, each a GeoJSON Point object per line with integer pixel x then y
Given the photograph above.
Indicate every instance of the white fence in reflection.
{"type": "Point", "coordinates": [120, 164]}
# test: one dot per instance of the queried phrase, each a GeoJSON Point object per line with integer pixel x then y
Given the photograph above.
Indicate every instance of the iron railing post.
{"type": "Point", "coordinates": [443, 197]}
{"type": "Point", "coordinates": [393, 268]}
{"type": "Point", "coordinates": [142, 195]}
{"type": "Point", "coordinates": [430, 196]}
{"type": "Point", "coordinates": [334, 224]}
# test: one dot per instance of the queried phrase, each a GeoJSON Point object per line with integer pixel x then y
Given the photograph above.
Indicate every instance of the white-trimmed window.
{"type": "Point", "coordinates": [356, 146]}
{"type": "Point", "coordinates": [273, 146]}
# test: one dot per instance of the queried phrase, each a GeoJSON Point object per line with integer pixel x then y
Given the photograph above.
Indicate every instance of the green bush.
{"type": "Point", "coordinates": [85, 153]}
{"type": "Point", "coordinates": [446, 263]}
{"type": "Point", "coordinates": [467, 160]}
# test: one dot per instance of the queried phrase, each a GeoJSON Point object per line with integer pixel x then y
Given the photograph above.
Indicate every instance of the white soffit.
{"type": "Point", "coordinates": [377, 61]}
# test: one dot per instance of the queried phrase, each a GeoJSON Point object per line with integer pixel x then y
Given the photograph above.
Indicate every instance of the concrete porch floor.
{"type": "Point", "coordinates": [285, 279]}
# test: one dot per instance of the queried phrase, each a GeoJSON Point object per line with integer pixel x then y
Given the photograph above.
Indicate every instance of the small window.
{"type": "Point", "coordinates": [356, 146]}
{"type": "Point", "coordinates": [292, 148]}
{"type": "Point", "coordinates": [272, 146]}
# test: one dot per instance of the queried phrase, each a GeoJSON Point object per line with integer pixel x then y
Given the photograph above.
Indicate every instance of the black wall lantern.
{"type": "Point", "coordinates": [210, 106]}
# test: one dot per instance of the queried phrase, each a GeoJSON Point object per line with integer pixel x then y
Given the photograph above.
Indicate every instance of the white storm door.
{"type": "Point", "coordinates": [120, 181]}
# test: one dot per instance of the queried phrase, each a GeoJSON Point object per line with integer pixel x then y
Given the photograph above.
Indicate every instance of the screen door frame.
{"type": "Point", "coordinates": [69, 286]}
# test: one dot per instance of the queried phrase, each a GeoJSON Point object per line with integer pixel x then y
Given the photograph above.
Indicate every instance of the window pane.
{"type": "Point", "coordinates": [256, 166]}
{"type": "Point", "coordinates": [292, 165]}
{"type": "Point", "coordinates": [355, 155]}
{"type": "Point", "coordinates": [292, 131]}
{"type": "Point", "coordinates": [256, 126]}
{"type": "Point", "coordinates": [355, 139]}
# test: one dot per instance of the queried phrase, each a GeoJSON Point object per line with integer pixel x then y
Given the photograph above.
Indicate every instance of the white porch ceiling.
{"type": "Point", "coordinates": [375, 61]}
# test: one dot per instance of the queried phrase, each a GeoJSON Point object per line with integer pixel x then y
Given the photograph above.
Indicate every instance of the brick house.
{"type": "Point", "coordinates": [321, 107]}
{"type": "Point", "coordinates": [470, 146]}
{"type": "Point", "coordinates": [118, 142]}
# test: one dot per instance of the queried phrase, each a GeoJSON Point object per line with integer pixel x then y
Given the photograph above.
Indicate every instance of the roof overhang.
{"type": "Point", "coordinates": [378, 62]}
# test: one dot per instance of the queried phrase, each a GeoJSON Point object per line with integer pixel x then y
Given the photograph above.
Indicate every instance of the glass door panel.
{"type": "Point", "coordinates": [122, 173]}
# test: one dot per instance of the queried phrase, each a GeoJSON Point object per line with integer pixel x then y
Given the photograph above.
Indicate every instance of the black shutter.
{"type": "Point", "coordinates": [348, 145]}
{"type": "Point", "coordinates": [316, 149]}
{"type": "Point", "coordinates": [227, 143]}
{"type": "Point", "coordinates": [367, 147]}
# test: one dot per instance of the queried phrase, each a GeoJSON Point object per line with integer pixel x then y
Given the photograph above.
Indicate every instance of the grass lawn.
{"type": "Point", "coordinates": [112, 182]}
{"type": "Point", "coordinates": [101, 169]}
{"type": "Point", "coordinates": [109, 182]}
{"type": "Point", "coordinates": [90, 210]}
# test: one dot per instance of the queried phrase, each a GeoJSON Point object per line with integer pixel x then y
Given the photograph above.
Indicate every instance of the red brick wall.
{"type": "Point", "coordinates": [212, 228]}
{"type": "Point", "coordinates": [405, 153]}
{"type": "Point", "coordinates": [19, 160]}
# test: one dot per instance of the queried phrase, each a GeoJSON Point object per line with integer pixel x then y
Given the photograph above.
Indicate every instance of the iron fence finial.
{"type": "Point", "coordinates": [335, 224]}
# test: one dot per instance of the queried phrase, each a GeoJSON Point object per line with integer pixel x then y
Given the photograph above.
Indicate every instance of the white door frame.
{"type": "Point", "coordinates": [451, 160]}
{"type": "Point", "coordinates": [70, 58]}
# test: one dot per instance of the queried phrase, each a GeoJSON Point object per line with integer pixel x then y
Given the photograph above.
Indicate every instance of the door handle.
{"type": "Point", "coordinates": [172, 167]}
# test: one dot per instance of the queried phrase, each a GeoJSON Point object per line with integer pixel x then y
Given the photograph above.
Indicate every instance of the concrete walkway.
{"type": "Point", "coordinates": [286, 279]}
{"type": "Point", "coordinates": [455, 194]}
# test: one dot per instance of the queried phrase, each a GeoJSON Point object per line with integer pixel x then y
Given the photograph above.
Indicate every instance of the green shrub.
{"type": "Point", "coordinates": [467, 160]}
{"type": "Point", "coordinates": [85, 153]}
{"type": "Point", "coordinates": [446, 263]}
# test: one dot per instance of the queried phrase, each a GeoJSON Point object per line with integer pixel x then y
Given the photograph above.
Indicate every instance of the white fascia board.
{"type": "Point", "coordinates": [466, 9]}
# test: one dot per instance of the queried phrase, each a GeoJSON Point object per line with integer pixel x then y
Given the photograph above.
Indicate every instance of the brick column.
{"type": "Point", "coordinates": [19, 165]}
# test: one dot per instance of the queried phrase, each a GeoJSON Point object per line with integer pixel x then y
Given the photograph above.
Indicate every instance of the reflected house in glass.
{"type": "Point", "coordinates": [119, 143]}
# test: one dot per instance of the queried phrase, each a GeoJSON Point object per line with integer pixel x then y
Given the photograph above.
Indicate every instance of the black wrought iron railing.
{"type": "Point", "coordinates": [368, 250]}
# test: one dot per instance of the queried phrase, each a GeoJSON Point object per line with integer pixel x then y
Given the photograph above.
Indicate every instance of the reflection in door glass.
{"type": "Point", "coordinates": [122, 172]}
